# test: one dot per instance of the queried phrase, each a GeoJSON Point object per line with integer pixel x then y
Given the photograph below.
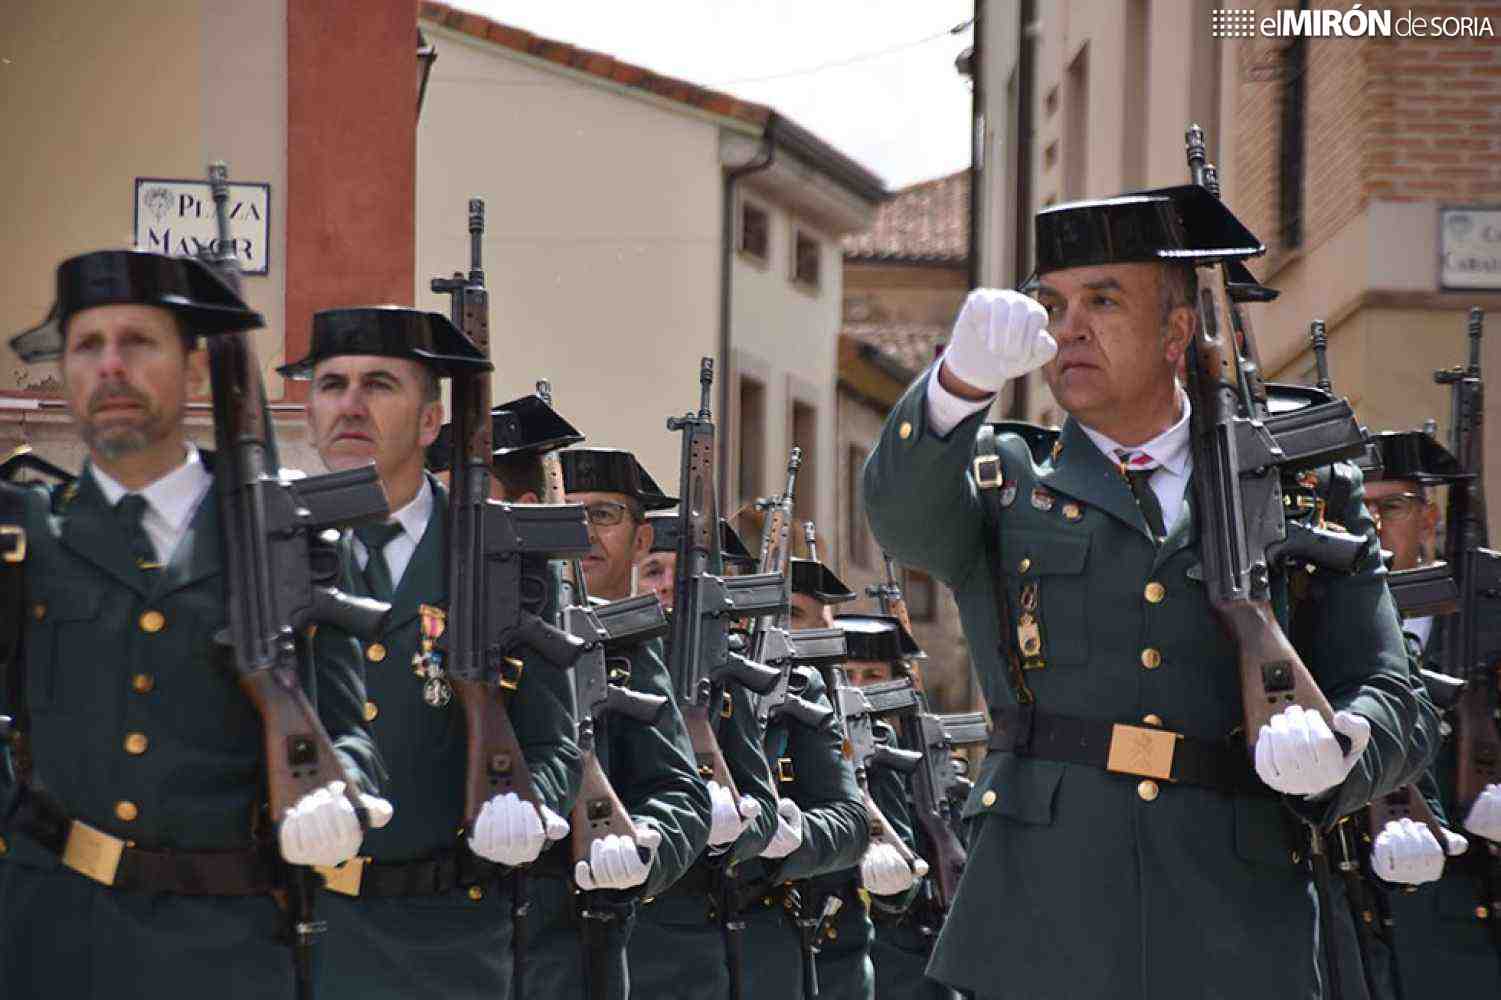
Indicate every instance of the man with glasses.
{"type": "Point", "coordinates": [1439, 934]}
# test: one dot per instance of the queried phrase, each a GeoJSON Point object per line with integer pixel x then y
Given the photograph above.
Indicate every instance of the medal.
{"type": "Point", "coordinates": [427, 662]}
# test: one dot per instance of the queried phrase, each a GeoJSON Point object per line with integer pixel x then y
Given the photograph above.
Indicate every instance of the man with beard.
{"type": "Point", "coordinates": [427, 912]}
{"type": "Point", "coordinates": [1076, 564]}
{"type": "Point", "coordinates": [137, 859]}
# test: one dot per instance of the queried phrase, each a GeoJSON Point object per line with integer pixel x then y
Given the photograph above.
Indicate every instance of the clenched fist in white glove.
{"type": "Point", "coordinates": [322, 828]}
{"type": "Point", "coordinates": [998, 336]}
{"type": "Point", "coordinates": [617, 862]}
{"type": "Point", "coordinates": [1406, 853]}
{"type": "Point", "coordinates": [1296, 754]}
{"type": "Point", "coordinates": [730, 818]}
{"type": "Point", "coordinates": [510, 831]}
{"type": "Point", "coordinates": [789, 835]}
{"type": "Point", "coordinates": [1484, 818]}
{"type": "Point", "coordinates": [884, 872]}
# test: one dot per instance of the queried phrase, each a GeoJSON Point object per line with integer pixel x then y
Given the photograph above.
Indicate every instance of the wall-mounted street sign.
{"type": "Point", "coordinates": [177, 217]}
{"type": "Point", "coordinates": [1469, 238]}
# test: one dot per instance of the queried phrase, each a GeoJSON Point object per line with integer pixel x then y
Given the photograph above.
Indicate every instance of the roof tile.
{"type": "Point", "coordinates": [922, 222]}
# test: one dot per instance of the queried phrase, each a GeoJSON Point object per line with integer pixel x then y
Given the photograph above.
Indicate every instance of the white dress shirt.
{"type": "Point", "coordinates": [1419, 628]}
{"type": "Point", "coordinates": [945, 411]}
{"type": "Point", "coordinates": [171, 501]}
{"type": "Point", "coordinates": [399, 550]}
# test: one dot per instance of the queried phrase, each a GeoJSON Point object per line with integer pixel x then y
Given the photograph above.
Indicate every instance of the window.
{"type": "Point", "coordinates": [752, 483]}
{"type": "Point", "coordinates": [805, 436]}
{"type": "Point", "coordinates": [861, 544]}
{"type": "Point", "coordinates": [805, 259]}
{"type": "Point", "coordinates": [755, 232]}
{"type": "Point", "coordinates": [922, 596]}
{"type": "Point", "coordinates": [1076, 127]}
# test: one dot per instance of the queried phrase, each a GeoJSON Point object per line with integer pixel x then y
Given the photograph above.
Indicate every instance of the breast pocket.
{"type": "Point", "coordinates": [1044, 573]}
{"type": "Point", "coordinates": [59, 638]}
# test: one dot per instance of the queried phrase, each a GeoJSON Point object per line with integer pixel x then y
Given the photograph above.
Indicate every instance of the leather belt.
{"type": "Point", "coordinates": [1142, 751]}
{"type": "Point", "coordinates": [120, 864]}
{"type": "Point", "coordinates": [437, 875]}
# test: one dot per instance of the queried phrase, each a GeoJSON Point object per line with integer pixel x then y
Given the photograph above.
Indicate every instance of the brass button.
{"type": "Point", "coordinates": [1155, 592]}
{"type": "Point", "coordinates": [1296, 857]}
{"type": "Point", "coordinates": [142, 683]}
{"type": "Point", "coordinates": [1481, 913]}
{"type": "Point", "coordinates": [126, 811]}
{"type": "Point", "coordinates": [136, 743]}
{"type": "Point", "coordinates": [1024, 565]}
{"type": "Point", "coordinates": [1152, 720]}
{"type": "Point", "coordinates": [1072, 512]}
{"type": "Point", "coordinates": [375, 652]}
{"type": "Point", "coordinates": [1150, 658]}
{"type": "Point", "coordinates": [905, 431]}
{"type": "Point", "coordinates": [833, 933]}
{"type": "Point", "coordinates": [4, 847]}
{"type": "Point", "coordinates": [371, 711]}
{"type": "Point", "coordinates": [153, 621]}
{"type": "Point", "coordinates": [988, 799]}
{"type": "Point", "coordinates": [1147, 790]}
{"type": "Point", "coordinates": [39, 610]}
{"type": "Point", "coordinates": [1367, 916]}
{"type": "Point", "coordinates": [476, 893]}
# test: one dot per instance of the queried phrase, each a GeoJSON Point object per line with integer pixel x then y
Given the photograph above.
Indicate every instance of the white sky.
{"type": "Point", "coordinates": [867, 76]}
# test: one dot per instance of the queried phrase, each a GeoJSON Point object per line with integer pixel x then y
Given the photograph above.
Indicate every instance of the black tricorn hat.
{"type": "Point", "coordinates": [877, 637]}
{"type": "Point", "coordinates": [611, 470]}
{"type": "Point", "coordinates": [1412, 455]}
{"type": "Point", "coordinates": [1184, 223]}
{"type": "Point", "coordinates": [667, 526]}
{"type": "Point", "coordinates": [427, 338]}
{"type": "Point", "coordinates": [185, 285]}
{"type": "Point", "coordinates": [811, 577]}
{"type": "Point", "coordinates": [522, 425]}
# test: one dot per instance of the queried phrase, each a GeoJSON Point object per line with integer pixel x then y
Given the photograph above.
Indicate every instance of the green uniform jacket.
{"type": "Point", "coordinates": [450, 945]}
{"type": "Point", "coordinates": [651, 768]}
{"type": "Point", "coordinates": [677, 949]}
{"type": "Point", "coordinates": [1442, 949]}
{"type": "Point", "coordinates": [100, 665]}
{"type": "Point", "coordinates": [846, 968]}
{"type": "Point", "coordinates": [812, 771]}
{"type": "Point", "coordinates": [1077, 885]}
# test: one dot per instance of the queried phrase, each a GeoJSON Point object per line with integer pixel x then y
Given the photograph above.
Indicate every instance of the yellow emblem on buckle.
{"type": "Point", "coordinates": [93, 853]}
{"type": "Point", "coordinates": [1147, 753]}
{"type": "Point", "coordinates": [345, 878]}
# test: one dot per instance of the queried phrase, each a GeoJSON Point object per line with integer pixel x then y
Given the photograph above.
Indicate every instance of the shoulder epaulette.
{"type": "Point", "coordinates": [23, 459]}
{"type": "Point", "coordinates": [1039, 439]}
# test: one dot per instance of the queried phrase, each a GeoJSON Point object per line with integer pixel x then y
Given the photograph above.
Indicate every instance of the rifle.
{"type": "Point", "coordinates": [704, 605]}
{"type": "Point", "coordinates": [1240, 454]}
{"type": "Point", "coordinates": [772, 643]}
{"type": "Point", "coordinates": [279, 580]}
{"type": "Point", "coordinates": [855, 713]}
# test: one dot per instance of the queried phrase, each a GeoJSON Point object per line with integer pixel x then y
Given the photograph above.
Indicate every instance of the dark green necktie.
{"type": "Point", "coordinates": [1146, 499]}
{"type": "Point", "coordinates": [131, 510]}
{"type": "Point", "coordinates": [377, 571]}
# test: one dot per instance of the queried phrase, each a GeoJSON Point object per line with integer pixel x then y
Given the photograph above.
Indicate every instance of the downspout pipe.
{"type": "Point", "coordinates": [761, 161]}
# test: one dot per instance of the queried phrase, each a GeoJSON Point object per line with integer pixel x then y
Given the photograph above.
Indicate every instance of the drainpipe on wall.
{"type": "Point", "coordinates": [757, 163]}
{"type": "Point", "coordinates": [1022, 235]}
{"type": "Point", "coordinates": [978, 126]}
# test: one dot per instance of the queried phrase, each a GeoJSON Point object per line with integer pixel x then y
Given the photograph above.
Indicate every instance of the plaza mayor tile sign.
{"type": "Point", "coordinates": [1470, 247]}
{"type": "Point", "coordinates": [177, 217]}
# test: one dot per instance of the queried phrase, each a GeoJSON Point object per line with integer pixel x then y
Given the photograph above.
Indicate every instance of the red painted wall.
{"type": "Point", "coordinates": [351, 159]}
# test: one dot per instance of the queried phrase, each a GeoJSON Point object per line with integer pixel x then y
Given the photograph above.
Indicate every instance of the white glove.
{"type": "Point", "coordinates": [321, 828]}
{"type": "Point", "coordinates": [510, 831]}
{"type": "Point", "coordinates": [884, 872]}
{"type": "Point", "coordinates": [377, 810]}
{"type": "Point", "coordinates": [616, 862]}
{"type": "Point", "coordinates": [729, 820]}
{"type": "Point", "coordinates": [1296, 754]}
{"type": "Point", "coordinates": [1406, 853]}
{"type": "Point", "coordinates": [1484, 819]}
{"type": "Point", "coordinates": [789, 835]}
{"type": "Point", "coordinates": [998, 336]}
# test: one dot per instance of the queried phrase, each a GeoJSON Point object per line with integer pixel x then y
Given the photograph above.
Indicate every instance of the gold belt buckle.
{"type": "Point", "coordinates": [93, 853]}
{"type": "Point", "coordinates": [1147, 753]}
{"type": "Point", "coordinates": [13, 541]}
{"type": "Point", "coordinates": [344, 878]}
{"type": "Point", "coordinates": [988, 472]}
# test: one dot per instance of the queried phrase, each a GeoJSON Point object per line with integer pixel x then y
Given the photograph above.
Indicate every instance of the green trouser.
{"type": "Point", "coordinates": [677, 951]}
{"type": "Point", "coordinates": [900, 955]}
{"type": "Point", "coordinates": [557, 962]}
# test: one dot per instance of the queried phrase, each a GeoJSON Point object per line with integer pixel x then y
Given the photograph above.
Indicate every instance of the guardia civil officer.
{"type": "Point", "coordinates": [425, 912]}
{"type": "Point", "coordinates": [136, 857]}
{"type": "Point", "coordinates": [650, 767]}
{"type": "Point", "coordinates": [1442, 944]}
{"type": "Point", "coordinates": [1084, 881]}
{"type": "Point", "coordinates": [880, 649]}
{"type": "Point", "coordinates": [619, 493]}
